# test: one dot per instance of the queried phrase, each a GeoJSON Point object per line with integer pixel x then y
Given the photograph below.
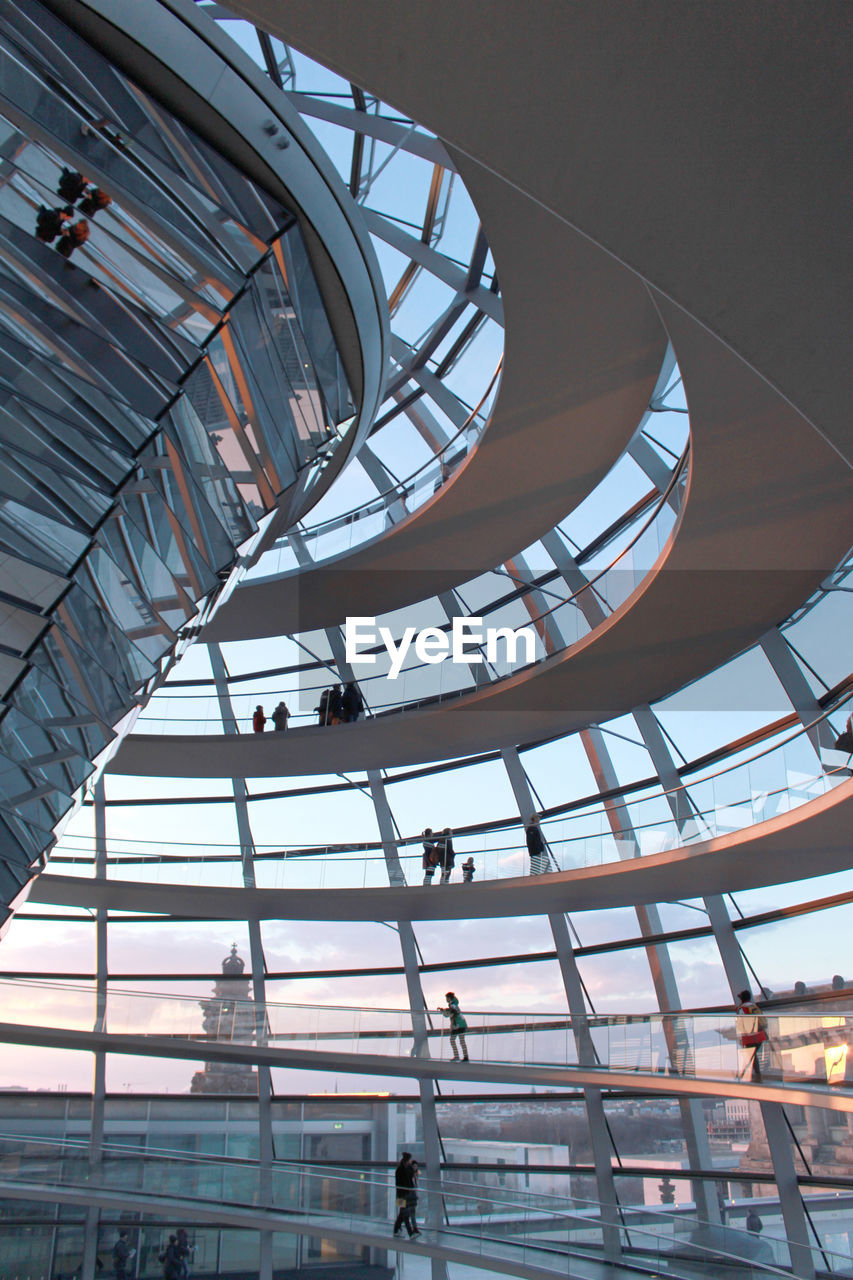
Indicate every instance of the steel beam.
{"type": "Point", "coordinates": [663, 976]}
{"type": "Point", "coordinates": [258, 964]}
{"type": "Point", "coordinates": [599, 1135]}
{"type": "Point", "coordinates": [417, 1006]}
{"type": "Point", "coordinates": [798, 690]}
{"type": "Point", "coordinates": [96, 1130]}
{"type": "Point", "coordinates": [778, 1139]}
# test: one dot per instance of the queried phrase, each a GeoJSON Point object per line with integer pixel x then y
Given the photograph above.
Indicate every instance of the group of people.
{"type": "Point", "coordinates": [337, 705]}
{"type": "Point", "coordinates": [279, 718]}
{"type": "Point", "coordinates": [340, 705]}
{"type": "Point", "coordinates": [439, 855]}
{"type": "Point", "coordinates": [57, 223]}
{"type": "Point", "coordinates": [174, 1258]}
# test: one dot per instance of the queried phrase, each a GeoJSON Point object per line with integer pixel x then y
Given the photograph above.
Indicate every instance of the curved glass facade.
{"type": "Point", "coordinates": [171, 378]}
{"type": "Point", "coordinates": [222, 995]}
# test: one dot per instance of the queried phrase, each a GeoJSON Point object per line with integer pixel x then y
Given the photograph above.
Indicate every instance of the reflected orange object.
{"type": "Point", "coordinates": [835, 1058]}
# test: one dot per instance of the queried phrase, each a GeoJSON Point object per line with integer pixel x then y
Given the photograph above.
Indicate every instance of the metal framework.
{"type": "Point", "coordinates": [618, 791]}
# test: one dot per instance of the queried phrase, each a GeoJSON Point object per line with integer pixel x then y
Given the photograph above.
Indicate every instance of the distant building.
{"type": "Point", "coordinates": [730, 1121]}
{"type": "Point", "coordinates": [810, 1036]}
{"type": "Point", "coordinates": [230, 1015]}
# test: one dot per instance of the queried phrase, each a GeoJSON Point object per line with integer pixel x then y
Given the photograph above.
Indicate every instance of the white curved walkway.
{"type": "Point", "coordinates": [710, 226]}
{"type": "Point", "coordinates": [811, 840]}
{"type": "Point", "coordinates": [505, 1257]}
{"type": "Point", "coordinates": [584, 347]}
{"type": "Point", "coordinates": [768, 511]}
{"type": "Point", "coordinates": [704, 146]}
{"type": "Point", "coordinates": [424, 1068]}
{"type": "Point", "coordinates": [766, 517]}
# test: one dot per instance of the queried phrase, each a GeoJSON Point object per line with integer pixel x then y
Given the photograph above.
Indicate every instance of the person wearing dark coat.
{"type": "Point", "coordinates": [51, 223]}
{"type": "Point", "coordinates": [94, 201]}
{"type": "Point", "coordinates": [352, 702]}
{"type": "Point", "coordinates": [185, 1249]}
{"type": "Point", "coordinates": [172, 1259]}
{"type": "Point", "coordinates": [405, 1176]}
{"type": "Point", "coordinates": [73, 238]}
{"type": "Point", "coordinates": [122, 1255]}
{"type": "Point", "coordinates": [432, 855]}
{"type": "Point", "coordinates": [336, 705]}
{"type": "Point", "coordinates": [71, 185]}
{"type": "Point", "coordinates": [322, 707]}
{"type": "Point", "coordinates": [536, 846]}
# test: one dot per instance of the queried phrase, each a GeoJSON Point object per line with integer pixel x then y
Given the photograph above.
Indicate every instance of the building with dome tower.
{"type": "Point", "coordinates": [229, 1015]}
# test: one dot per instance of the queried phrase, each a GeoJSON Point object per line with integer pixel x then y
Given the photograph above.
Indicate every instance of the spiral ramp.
{"type": "Point", "coordinates": [621, 221]}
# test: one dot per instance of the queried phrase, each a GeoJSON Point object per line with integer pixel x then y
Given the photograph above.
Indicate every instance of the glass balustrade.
{"type": "Point", "coordinates": [345, 532]}
{"type": "Point", "coordinates": [811, 1049]}
{"type": "Point", "coordinates": [513, 1225]}
{"type": "Point", "coordinates": [564, 618]}
{"type": "Point", "coordinates": [774, 780]}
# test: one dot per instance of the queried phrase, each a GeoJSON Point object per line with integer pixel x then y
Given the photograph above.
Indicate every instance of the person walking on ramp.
{"type": "Point", "coordinates": [751, 1027]}
{"type": "Point", "coordinates": [405, 1177]}
{"type": "Point", "coordinates": [458, 1026]}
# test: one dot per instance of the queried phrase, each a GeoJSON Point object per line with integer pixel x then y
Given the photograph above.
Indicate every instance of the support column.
{"type": "Point", "coordinates": [96, 1130]}
{"type": "Point", "coordinates": [663, 978]}
{"type": "Point", "coordinates": [539, 602]}
{"type": "Point", "coordinates": [385, 823]}
{"type": "Point", "coordinates": [682, 811]}
{"type": "Point", "coordinates": [772, 1113]}
{"type": "Point", "coordinates": [601, 1150]}
{"type": "Point", "coordinates": [383, 480]}
{"type": "Point", "coordinates": [798, 690]}
{"type": "Point", "coordinates": [256, 957]}
{"type": "Point", "coordinates": [417, 1006]}
{"type": "Point", "coordinates": [585, 597]}
{"type": "Point", "coordinates": [452, 608]}
{"type": "Point", "coordinates": [649, 462]}
{"type": "Point", "coordinates": [574, 578]}
{"type": "Point", "coordinates": [639, 447]}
